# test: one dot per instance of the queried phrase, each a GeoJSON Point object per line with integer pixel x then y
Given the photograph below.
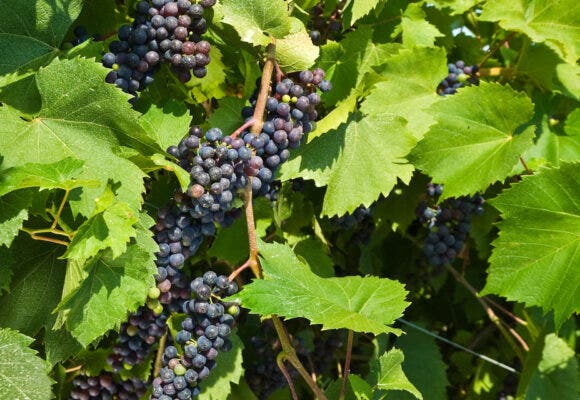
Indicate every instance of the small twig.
{"type": "Point", "coordinates": [73, 369]}
{"type": "Point", "coordinates": [159, 355]}
{"type": "Point", "coordinates": [48, 239]}
{"type": "Point", "coordinates": [60, 208]}
{"type": "Point", "coordinates": [239, 270]}
{"type": "Point", "coordinates": [279, 73]}
{"type": "Point", "coordinates": [506, 312]}
{"type": "Point", "coordinates": [528, 171]}
{"type": "Point", "coordinates": [489, 311]}
{"type": "Point", "coordinates": [280, 361]}
{"type": "Point", "coordinates": [511, 330]}
{"type": "Point", "coordinates": [346, 364]}
{"type": "Point", "coordinates": [242, 128]}
{"type": "Point", "coordinates": [496, 48]}
{"type": "Point", "coordinates": [252, 236]}
{"type": "Point", "coordinates": [290, 355]}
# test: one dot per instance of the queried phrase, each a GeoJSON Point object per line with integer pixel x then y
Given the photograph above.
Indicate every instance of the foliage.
{"type": "Point", "coordinates": [92, 179]}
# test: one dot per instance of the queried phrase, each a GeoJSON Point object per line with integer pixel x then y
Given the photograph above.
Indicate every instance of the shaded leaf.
{"type": "Point", "coordinates": [228, 371]}
{"type": "Point", "coordinates": [295, 51]}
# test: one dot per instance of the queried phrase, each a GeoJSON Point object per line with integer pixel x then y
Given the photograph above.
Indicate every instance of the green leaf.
{"type": "Point", "coordinates": [537, 253]}
{"type": "Point", "coordinates": [59, 175]}
{"type": "Point", "coordinates": [334, 159]}
{"type": "Point", "coordinates": [346, 63]}
{"type": "Point", "coordinates": [36, 286]}
{"type": "Point", "coordinates": [457, 6]}
{"type": "Point", "coordinates": [569, 77]}
{"type": "Point", "coordinates": [254, 19]}
{"type": "Point", "coordinates": [290, 289]}
{"type": "Point", "coordinates": [5, 270]}
{"type": "Point", "coordinates": [549, 21]}
{"type": "Point", "coordinates": [314, 254]}
{"type": "Point", "coordinates": [228, 371]}
{"type": "Point", "coordinates": [32, 31]}
{"type": "Point", "coordinates": [361, 389]}
{"type": "Point", "coordinates": [557, 373]}
{"type": "Point", "coordinates": [181, 174]}
{"type": "Point", "coordinates": [337, 116]}
{"type": "Point", "coordinates": [361, 8]}
{"type": "Point", "coordinates": [295, 51]}
{"type": "Point", "coordinates": [113, 287]}
{"type": "Point", "coordinates": [227, 117]}
{"type": "Point", "coordinates": [23, 375]}
{"type": "Point", "coordinates": [85, 127]}
{"type": "Point", "coordinates": [411, 79]}
{"type": "Point", "coordinates": [168, 124]}
{"type": "Point", "coordinates": [13, 213]}
{"type": "Point", "coordinates": [111, 227]}
{"type": "Point", "coordinates": [475, 132]}
{"type": "Point", "coordinates": [213, 84]}
{"type": "Point", "coordinates": [416, 30]}
{"type": "Point", "coordinates": [423, 366]}
{"type": "Point", "coordinates": [59, 345]}
{"type": "Point", "coordinates": [387, 374]}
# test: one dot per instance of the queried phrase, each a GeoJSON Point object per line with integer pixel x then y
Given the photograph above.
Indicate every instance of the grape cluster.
{"type": "Point", "coordinates": [81, 35]}
{"type": "Point", "coordinates": [323, 28]}
{"type": "Point", "coordinates": [291, 112]}
{"type": "Point", "coordinates": [137, 337]}
{"type": "Point", "coordinates": [459, 76]}
{"type": "Point", "coordinates": [449, 224]}
{"type": "Point", "coordinates": [360, 223]}
{"type": "Point", "coordinates": [204, 333]}
{"type": "Point", "coordinates": [163, 31]}
{"type": "Point", "coordinates": [106, 387]}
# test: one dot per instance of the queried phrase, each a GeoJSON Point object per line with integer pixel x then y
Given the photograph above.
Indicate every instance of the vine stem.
{"type": "Point", "coordinates": [73, 369]}
{"type": "Point", "coordinates": [60, 208]}
{"type": "Point", "coordinates": [523, 162]}
{"type": "Point", "coordinates": [492, 316]}
{"type": "Point", "coordinates": [496, 48]}
{"type": "Point", "coordinates": [346, 371]}
{"type": "Point", "coordinates": [290, 356]}
{"type": "Point", "coordinates": [280, 361]}
{"type": "Point", "coordinates": [159, 355]}
{"type": "Point", "coordinates": [253, 261]}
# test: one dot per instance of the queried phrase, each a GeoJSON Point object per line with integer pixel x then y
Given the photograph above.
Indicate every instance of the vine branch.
{"type": "Point", "coordinates": [159, 355]}
{"type": "Point", "coordinates": [346, 364]}
{"type": "Point", "coordinates": [496, 48]}
{"type": "Point", "coordinates": [280, 361]}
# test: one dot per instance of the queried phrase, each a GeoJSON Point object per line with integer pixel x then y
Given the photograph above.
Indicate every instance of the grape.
{"type": "Point", "coordinates": [106, 386]}
{"type": "Point", "coordinates": [459, 76]}
{"type": "Point", "coordinates": [448, 223]}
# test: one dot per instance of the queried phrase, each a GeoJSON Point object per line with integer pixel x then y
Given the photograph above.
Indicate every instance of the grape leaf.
{"type": "Point", "coordinates": [557, 373]}
{"type": "Point", "coordinates": [295, 51]}
{"type": "Point", "coordinates": [314, 254]}
{"type": "Point", "coordinates": [337, 116]}
{"type": "Point", "coordinates": [228, 371]}
{"type": "Point", "coordinates": [387, 374]}
{"type": "Point", "coordinates": [457, 6]}
{"type": "Point", "coordinates": [5, 269]}
{"type": "Point", "coordinates": [253, 19]}
{"type": "Point", "coordinates": [36, 287]}
{"type": "Point", "coordinates": [13, 213]}
{"type": "Point", "coordinates": [290, 289]}
{"type": "Point", "coordinates": [166, 124]}
{"type": "Point", "coordinates": [59, 345]}
{"type": "Point", "coordinates": [112, 288]}
{"type": "Point", "coordinates": [213, 84]}
{"type": "Point", "coordinates": [59, 175]}
{"type": "Point", "coordinates": [361, 389]}
{"type": "Point", "coordinates": [411, 79]}
{"type": "Point", "coordinates": [423, 366]}
{"type": "Point", "coordinates": [23, 375]}
{"type": "Point", "coordinates": [333, 159]}
{"type": "Point", "coordinates": [569, 77]}
{"type": "Point", "coordinates": [181, 174]}
{"type": "Point", "coordinates": [549, 21]}
{"type": "Point", "coordinates": [537, 253]}
{"type": "Point", "coordinates": [417, 31]}
{"type": "Point", "coordinates": [83, 127]}
{"type": "Point", "coordinates": [31, 32]}
{"type": "Point", "coordinates": [475, 132]}
{"type": "Point", "coordinates": [227, 117]}
{"type": "Point", "coordinates": [347, 63]}
{"type": "Point", "coordinates": [111, 226]}
{"type": "Point", "coordinates": [359, 9]}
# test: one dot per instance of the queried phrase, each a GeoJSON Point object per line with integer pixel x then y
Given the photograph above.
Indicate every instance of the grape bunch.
{"type": "Point", "coordinates": [291, 112]}
{"type": "Point", "coordinates": [137, 338]}
{"type": "Point", "coordinates": [460, 75]}
{"type": "Point", "coordinates": [163, 31]}
{"type": "Point", "coordinates": [360, 223]}
{"type": "Point", "coordinates": [205, 331]}
{"type": "Point", "coordinates": [106, 387]}
{"type": "Point", "coordinates": [449, 224]}
{"type": "Point", "coordinates": [323, 28]}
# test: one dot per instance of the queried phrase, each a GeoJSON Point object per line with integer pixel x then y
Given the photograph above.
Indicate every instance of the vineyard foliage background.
{"type": "Point", "coordinates": [84, 172]}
